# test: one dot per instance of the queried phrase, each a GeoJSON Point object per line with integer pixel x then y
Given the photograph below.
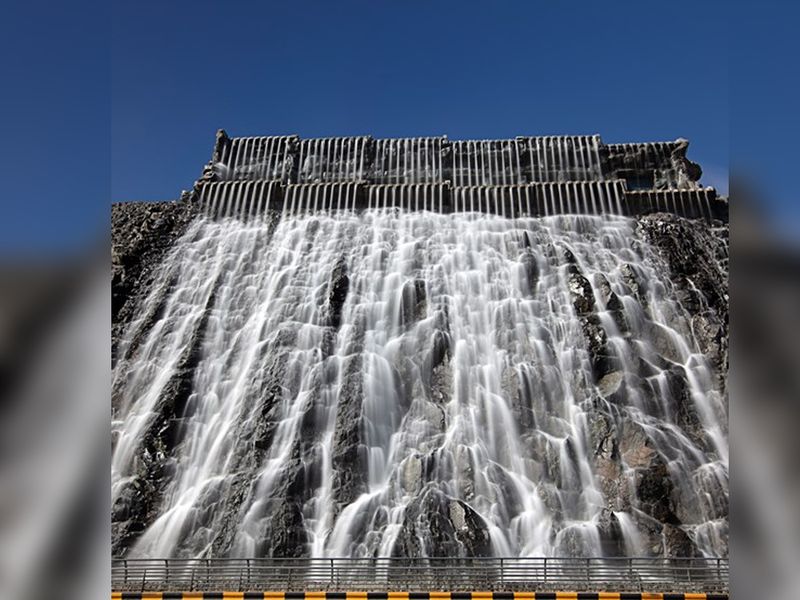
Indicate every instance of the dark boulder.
{"type": "Point", "coordinates": [437, 525]}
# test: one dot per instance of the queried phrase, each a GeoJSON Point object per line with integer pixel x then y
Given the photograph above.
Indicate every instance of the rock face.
{"type": "Point", "coordinates": [141, 233]}
{"type": "Point", "coordinates": [696, 256]}
{"type": "Point", "coordinates": [698, 259]}
{"type": "Point", "coordinates": [629, 461]}
{"type": "Point", "coordinates": [439, 526]}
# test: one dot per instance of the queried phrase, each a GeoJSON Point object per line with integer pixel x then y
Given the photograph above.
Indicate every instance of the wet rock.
{"type": "Point", "coordinates": [141, 235]}
{"type": "Point", "coordinates": [530, 268]}
{"type": "Point", "coordinates": [611, 384]}
{"type": "Point", "coordinates": [635, 282]}
{"type": "Point", "coordinates": [684, 407]}
{"type": "Point", "coordinates": [412, 474]}
{"type": "Point", "coordinates": [437, 525]}
{"type": "Point", "coordinates": [348, 458]}
{"type": "Point", "coordinates": [568, 257]}
{"type": "Point", "coordinates": [130, 515]}
{"type": "Point", "coordinates": [575, 541]}
{"type": "Point", "coordinates": [613, 483]}
{"type": "Point", "coordinates": [580, 291]}
{"type": "Point", "coordinates": [654, 491]}
{"type": "Point", "coordinates": [710, 488]}
{"type": "Point", "coordinates": [664, 343]}
{"type": "Point", "coordinates": [603, 435]}
{"type": "Point", "coordinates": [337, 293]}
{"type": "Point", "coordinates": [431, 413]}
{"type": "Point", "coordinates": [612, 540]}
{"type": "Point", "coordinates": [138, 504]}
{"type": "Point", "coordinates": [601, 353]}
{"type": "Point", "coordinates": [465, 472]}
{"type": "Point", "coordinates": [286, 536]}
{"type": "Point", "coordinates": [440, 348]}
{"type": "Point", "coordinates": [441, 382]}
{"type": "Point", "coordinates": [414, 301]}
{"type": "Point", "coordinates": [612, 303]}
{"type": "Point", "coordinates": [270, 393]}
{"type": "Point", "coordinates": [677, 543]}
{"type": "Point", "coordinates": [635, 447]}
{"type": "Point", "coordinates": [280, 533]}
{"type": "Point", "coordinates": [663, 539]}
{"type": "Point", "coordinates": [696, 256]}
{"type": "Point", "coordinates": [549, 495]}
{"type": "Point", "coordinates": [603, 288]}
{"type": "Point", "coordinates": [512, 386]}
{"type": "Point", "coordinates": [604, 439]}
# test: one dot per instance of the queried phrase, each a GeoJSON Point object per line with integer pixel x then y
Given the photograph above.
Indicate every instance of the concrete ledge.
{"type": "Point", "coordinates": [414, 596]}
{"type": "Point", "coordinates": [248, 199]}
{"type": "Point", "coordinates": [518, 160]}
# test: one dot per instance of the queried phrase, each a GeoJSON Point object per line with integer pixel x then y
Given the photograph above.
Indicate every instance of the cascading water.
{"type": "Point", "coordinates": [396, 382]}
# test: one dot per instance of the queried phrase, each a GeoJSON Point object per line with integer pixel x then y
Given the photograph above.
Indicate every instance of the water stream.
{"type": "Point", "coordinates": [346, 371]}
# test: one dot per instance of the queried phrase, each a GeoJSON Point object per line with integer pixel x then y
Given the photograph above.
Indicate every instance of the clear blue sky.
{"type": "Point", "coordinates": [56, 108]}
{"type": "Point", "coordinates": [765, 98]}
{"type": "Point", "coordinates": [465, 69]}
{"type": "Point", "coordinates": [152, 81]}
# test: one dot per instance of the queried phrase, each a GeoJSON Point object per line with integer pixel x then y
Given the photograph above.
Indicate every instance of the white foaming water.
{"type": "Point", "coordinates": [458, 344]}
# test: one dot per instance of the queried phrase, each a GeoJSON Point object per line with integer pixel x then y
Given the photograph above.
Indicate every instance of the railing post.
{"type": "Point", "coordinates": [638, 578]}
{"type": "Point", "coordinates": [166, 573]}
{"type": "Point", "coordinates": [502, 578]}
{"type": "Point", "coordinates": [330, 586]}
{"type": "Point", "coordinates": [545, 571]}
{"type": "Point", "coordinates": [588, 575]}
{"type": "Point", "coordinates": [630, 570]}
{"type": "Point", "coordinates": [249, 575]}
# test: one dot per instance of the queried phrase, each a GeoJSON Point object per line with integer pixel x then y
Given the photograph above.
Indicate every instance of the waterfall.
{"type": "Point", "coordinates": [315, 380]}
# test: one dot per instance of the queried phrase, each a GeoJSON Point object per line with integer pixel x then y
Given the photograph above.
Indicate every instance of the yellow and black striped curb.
{"type": "Point", "coordinates": [412, 596]}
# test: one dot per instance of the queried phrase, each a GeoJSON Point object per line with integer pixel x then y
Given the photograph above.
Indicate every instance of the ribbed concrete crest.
{"type": "Point", "coordinates": [523, 176]}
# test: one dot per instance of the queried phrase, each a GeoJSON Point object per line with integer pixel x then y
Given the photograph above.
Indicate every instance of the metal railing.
{"type": "Point", "coordinates": [411, 574]}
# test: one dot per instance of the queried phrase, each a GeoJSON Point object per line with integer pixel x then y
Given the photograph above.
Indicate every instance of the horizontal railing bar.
{"type": "Point", "coordinates": [528, 573]}
{"type": "Point", "coordinates": [506, 560]}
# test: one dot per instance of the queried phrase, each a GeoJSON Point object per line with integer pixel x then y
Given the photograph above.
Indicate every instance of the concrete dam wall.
{"type": "Point", "coordinates": [525, 176]}
{"type": "Point", "coordinates": [357, 348]}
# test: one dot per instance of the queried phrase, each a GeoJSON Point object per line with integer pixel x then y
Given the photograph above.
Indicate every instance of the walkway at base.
{"type": "Point", "coordinates": [413, 596]}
